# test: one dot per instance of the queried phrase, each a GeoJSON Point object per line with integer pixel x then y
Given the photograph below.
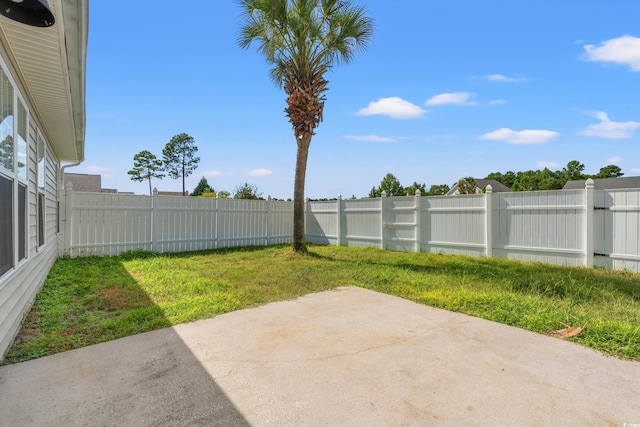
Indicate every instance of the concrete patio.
{"type": "Point", "coordinates": [349, 357]}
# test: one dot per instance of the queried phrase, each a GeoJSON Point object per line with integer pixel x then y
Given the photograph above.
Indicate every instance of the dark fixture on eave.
{"type": "Point", "coordinates": [31, 12]}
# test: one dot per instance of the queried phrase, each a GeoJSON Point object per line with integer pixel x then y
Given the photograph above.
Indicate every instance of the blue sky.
{"type": "Point", "coordinates": [447, 89]}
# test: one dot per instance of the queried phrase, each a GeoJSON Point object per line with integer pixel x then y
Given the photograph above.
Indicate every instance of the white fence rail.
{"type": "Point", "coordinates": [109, 224]}
{"type": "Point", "coordinates": [566, 227]}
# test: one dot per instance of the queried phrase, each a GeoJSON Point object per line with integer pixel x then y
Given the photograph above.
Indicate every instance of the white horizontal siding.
{"type": "Point", "coordinates": [19, 287]}
{"type": "Point", "coordinates": [18, 292]}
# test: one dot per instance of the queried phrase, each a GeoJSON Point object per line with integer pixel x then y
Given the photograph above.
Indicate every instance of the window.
{"type": "Point", "coordinates": [41, 181]}
{"type": "Point", "coordinates": [7, 152]}
{"type": "Point", "coordinates": [22, 222]}
{"type": "Point", "coordinates": [22, 166]}
{"type": "Point", "coordinates": [7, 175]}
{"type": "Point", "coordinates": [13, 175]}
{"type": "Point", "coordinates": [21, 148]}
{"type": "Point", "coordinates": [41, 161]}
{"type": "Point", "coordinates": [40, 219]}
{"type": "Point", "coordinates": [6, 228]}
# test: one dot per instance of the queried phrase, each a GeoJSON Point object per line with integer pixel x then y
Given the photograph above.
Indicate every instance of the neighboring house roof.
{"type": "Point", "coordinates": [51, 65]}
{"type": "Point", "coordinates": [172, 193]}
{"type": "Point", "coordinates": [605, 183]}
{"type": "Point", "coordinates": [497, 187]}
{"type": "Point", "coordinates": [84, 182]}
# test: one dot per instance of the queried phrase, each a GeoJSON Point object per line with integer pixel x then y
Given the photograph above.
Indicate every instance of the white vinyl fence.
{"type": "Point", "coordinates": [565, 227]}
{"type": "Point", "coordinates": [111, 223]}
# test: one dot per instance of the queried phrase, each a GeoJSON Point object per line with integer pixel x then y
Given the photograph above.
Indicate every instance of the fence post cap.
{"type": "Point", "coordinates": [589, 183]}
{"type": "Point", "coordinates": [384, 193]}
{"type": "Point", "coordinates": [489, 189]}
{"type": "Point", "coordinates": [155, 191]}
{"type": "Point", "coordinates": [269, 198]}
{"type": "Point", "coordinates": [418, 192]}
{"type": "Point", "coordinates": [69, 186]}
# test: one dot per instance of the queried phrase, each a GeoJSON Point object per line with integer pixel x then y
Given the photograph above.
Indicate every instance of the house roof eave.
{"type": "Point", "coordinates": [50, 64]}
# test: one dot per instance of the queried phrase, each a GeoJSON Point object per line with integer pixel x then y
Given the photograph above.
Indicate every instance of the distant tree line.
{"type": "Point", "coordinates": [530, 180]}
{"type": "Point", "coordinates": [392, 187]}
{"type": "Point", "coordinates": [547, 179]}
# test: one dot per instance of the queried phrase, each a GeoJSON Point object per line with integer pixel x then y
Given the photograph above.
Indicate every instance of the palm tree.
{"type": "Point", "coordinates": [302, 40]}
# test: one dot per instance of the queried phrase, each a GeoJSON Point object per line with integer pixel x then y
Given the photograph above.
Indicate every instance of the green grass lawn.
{"type": "Point", "coordinates": [90, 300]}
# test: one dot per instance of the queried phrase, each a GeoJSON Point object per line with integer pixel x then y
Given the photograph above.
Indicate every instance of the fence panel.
{"type": "Point", "coordinates": [540, 226]}
{"type": "Point", "coordinates": [108, 224]}
{"type": "Point", "coordinates": [617, 229]}
{"type": "Point", "coordinates": [453, 225]}
{"type": "Point", "coordinates": [401, 224]}
{"type": "Point", "coordinates": [321, 222]}
{"type": "Point", "coordinates": [182, 224]}
{"type": "Point", "coordinates": [280, 223]}
{"type": "Point", "coordinates": [362, 223]}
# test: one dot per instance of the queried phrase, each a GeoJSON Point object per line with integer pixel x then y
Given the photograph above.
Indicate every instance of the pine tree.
{"type": "Point", "coordinates": [179, 157]}
{"type": "Point", "coordinates": [202, 187]}
{"type": "Point", "coordinates": [146, 166]}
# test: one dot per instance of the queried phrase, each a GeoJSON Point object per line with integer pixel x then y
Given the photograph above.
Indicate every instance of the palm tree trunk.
{"type": "Point", "coordinates": [299, 242]}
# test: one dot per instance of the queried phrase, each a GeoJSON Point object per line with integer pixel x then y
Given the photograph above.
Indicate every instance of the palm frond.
{"type": "Point", "coordinates": [305, 36]}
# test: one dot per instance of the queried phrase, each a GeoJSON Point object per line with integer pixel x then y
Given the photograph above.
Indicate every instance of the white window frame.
{"type": "Point", "coordinates": [16, 180]}
{"type": "Point", "coordinates": [41, 191]}
{"type": "Point", "coordinates": [18, 99]}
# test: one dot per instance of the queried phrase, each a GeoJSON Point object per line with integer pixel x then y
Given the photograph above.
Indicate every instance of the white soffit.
{"type": "Point", "coordinates": [51, 65]}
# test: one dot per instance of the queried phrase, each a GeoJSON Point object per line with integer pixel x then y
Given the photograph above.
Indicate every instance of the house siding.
{"type": "Point", "coordinates": [18, 293]}
{"type": "Point", "coordinates": [46, 70]}
{"type": "Point", "coordinates": [19, 286]}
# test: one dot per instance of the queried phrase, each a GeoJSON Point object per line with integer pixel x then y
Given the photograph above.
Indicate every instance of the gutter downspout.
{"type": "Point", "coordinates": [63, 210]}
{"type": "Point", "coordinates": [69, 165]}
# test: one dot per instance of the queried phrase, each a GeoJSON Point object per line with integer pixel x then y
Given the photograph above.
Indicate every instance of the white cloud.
{"type": "Point", "coordinates": [456, 98]}
{"type": "Point", "coordinates": [95, 169]}
{"type": "Point", "coordinates": [371, 138]}
{"type": "Point", "coordinates": [503, 78]}
{"type": "Point", "coordinates": [523, 137]}
{"type": "Point", "coordinates": [497, 102]}
{"type": "Point", "coordinates": [615, 160]}
{"type": "Point", "coordinates": [259, 172]}
{"type": "Point", "coordinates": [635, 170]}
{"type": "Point", "coordinates": [622, 50]}
{"type": "Point", "coordinates": [542, 165]}
{"type": "Point", "coordinates": [608, 129]}
{"type": "Point", "coordinates": [394, 107]}
{"type": "Point", "coordinates": [212, 173]}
